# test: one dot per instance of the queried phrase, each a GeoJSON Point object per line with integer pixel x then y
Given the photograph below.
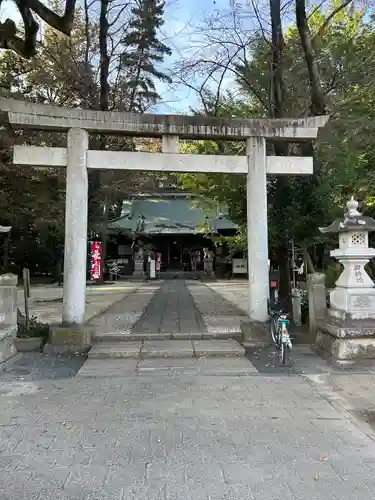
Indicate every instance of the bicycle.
{"type": "Point", "coordinates": [280, 334]}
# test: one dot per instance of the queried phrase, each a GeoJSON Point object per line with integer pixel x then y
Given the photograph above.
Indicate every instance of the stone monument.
{"type": "Point", "coordinates": [8, 315]}
{"type": "Point", "coordinates": [208, 263]}
{"type": "Point", "coordinates": [348, 330]}
{"type": "Point", "coordinates": [139, 263]}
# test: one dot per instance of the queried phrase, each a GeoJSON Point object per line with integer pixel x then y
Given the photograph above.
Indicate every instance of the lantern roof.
{"type": "Point", "coordinates": [353, 220]}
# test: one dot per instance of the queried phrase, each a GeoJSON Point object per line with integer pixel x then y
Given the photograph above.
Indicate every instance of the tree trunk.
{"type": "Point", "coordinates": [309, 262]}
{"type": "Point", "coordinates": [95, 205]}
{"type": "Point", "coordinates": [6, 252]}
{"type": "Point", "coordinates": [278, 111]}
{"type": "Point", "coordinates": [282, 252]}
{"type": "Point", "coordinates": [104, 58]}
{"type": "Point", "coordinates": [317, 106]}
{"type": "Point", "coordinates": [278, 83]}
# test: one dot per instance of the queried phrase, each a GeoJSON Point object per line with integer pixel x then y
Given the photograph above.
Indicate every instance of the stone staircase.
{"type": "Point", "coordinates": [184, 275]}
{"type": "Point", "coordinates": [170, 326]}
{"type": "Point", "coordinates": [155, 347]}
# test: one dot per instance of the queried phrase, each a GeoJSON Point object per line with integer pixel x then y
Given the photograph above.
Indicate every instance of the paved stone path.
{"type": "Point", "coordinates": [180, 429]}
{"type": "Point", "coordinates": [38, 366]}
{"type": "Point", "coordinates": [46, 301]}
{"type": "Point", "coordinates": [170, 436]}
{"type": "Point", "coordinates": [171, 310]}
{"type": "Point", "coordinates": [122, 316]}
{"type": "Point", "coordinates": [218, 313]}
{"type": "Point", "coordinates": [235, 291]}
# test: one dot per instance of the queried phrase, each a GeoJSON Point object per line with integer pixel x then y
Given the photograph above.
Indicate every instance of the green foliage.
{"type": "Point", "coordinates": [143, 51]}
{"type": "Point", "coordinates": [65, 73]}
{"type": "Point", "coordinates": [344, 157]}
{"type": "Point", "coordinates": [36, 329]}
{"type": "Point", "coordinates": [332, 275]}
{"type": "Point", "coordinates": [234, 244]}
{"type": "Point", "coordinates": [304, 306]}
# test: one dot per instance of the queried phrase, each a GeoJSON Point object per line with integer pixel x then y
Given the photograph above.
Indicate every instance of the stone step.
{"type": "Point", "coordinates": [153, 349]}
{"type": "Point", "coordinates": [96, 368]}
{"type": "Point", "coordinates": [131, 337]}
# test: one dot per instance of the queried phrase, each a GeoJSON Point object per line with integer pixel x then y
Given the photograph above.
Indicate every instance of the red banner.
{"type": "Point", "coordinates": [96, 261]}
{"type": "Point", "coordinates": [158, 261]}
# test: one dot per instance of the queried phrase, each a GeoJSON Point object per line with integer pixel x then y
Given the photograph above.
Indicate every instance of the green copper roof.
{"type": "Point", "coordinates": [168, 214]}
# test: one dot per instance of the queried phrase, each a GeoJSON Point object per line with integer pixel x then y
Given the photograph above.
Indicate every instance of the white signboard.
{"type": "Point", "coordinates": [152, 269]}
{"type": "Point", "coordinates": [239, 266]}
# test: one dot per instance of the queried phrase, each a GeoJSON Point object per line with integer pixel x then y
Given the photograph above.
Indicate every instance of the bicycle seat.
{"type": "Point", "coordinates": [283, 316]}
{"type": "Point", "coordinates": [278, 311]}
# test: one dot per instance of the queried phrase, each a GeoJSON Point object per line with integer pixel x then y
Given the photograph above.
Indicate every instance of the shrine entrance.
{"type": "Point", "coordinates": [77, 158]}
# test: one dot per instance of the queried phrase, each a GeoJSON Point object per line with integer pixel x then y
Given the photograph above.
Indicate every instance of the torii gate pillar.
{"type": "Point", "coordinates": [257, 229]}
{"type": "Point", "coordinates": [75, 247]}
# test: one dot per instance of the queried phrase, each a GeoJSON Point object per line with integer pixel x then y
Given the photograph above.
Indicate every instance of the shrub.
{"type": "Point", "coordinates": [36, 329]}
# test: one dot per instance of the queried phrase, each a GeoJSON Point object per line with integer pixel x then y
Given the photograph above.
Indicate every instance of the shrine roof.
{"type": "Point", "coordinates": [161, 214]}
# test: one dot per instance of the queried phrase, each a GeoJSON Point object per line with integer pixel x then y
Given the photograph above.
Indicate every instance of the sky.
{"type": "Point", "coordinates": [178, 32]}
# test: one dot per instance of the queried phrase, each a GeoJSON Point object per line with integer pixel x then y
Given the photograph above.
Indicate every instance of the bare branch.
{"type": "Point", "coordinates": [26, 47]}
{"type": "Point", "coordinates": [64, 23]}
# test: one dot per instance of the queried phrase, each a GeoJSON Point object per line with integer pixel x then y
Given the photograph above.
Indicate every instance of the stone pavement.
{"type": "Point", "coordinates": [120, 318]}
{"type": "Point", "coordinates": [170, 435]}
{"type": "Point", "coordinates": [172, 310]}
{"type": "Point", "coordinates": [169, 325]}
{"type": "Point", "coordinates": [181, 429]}
{"type": "Point", "coordinates": [46, 301]}
{"type": "Point", "coordinates": [219, 314]}
{"type": "Point", "coordinates": [234, 291]}
{"type": "Point", "coordinates": [351, 393]}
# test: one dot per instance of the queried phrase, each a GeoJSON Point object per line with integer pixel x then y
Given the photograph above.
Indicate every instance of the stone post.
{"type": "Point", "coordinates": [75, 250]}
{"type": "Point", "coordinates": [296, 306]}
{"type": "Point", "coordinates": [317, 299]}
{"type": "Point", "coordinates": [257, 229]}
{"type": "Point", "coordinates": [8, 315]}
{"type": "Point", "coordinates": [170, 144]}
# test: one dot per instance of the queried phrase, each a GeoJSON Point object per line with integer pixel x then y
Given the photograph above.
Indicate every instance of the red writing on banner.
{"type": "Point", "coordinates": [96, 260]}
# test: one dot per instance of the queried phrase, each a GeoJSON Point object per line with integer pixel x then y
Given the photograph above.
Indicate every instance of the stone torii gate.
{"type": "Point", "coordinates": [77, 158]}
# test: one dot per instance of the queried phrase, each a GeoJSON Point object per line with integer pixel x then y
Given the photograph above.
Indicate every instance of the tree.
{"type": "Point", "coordinates": [143, 52]}
{"type": "Point", "coordinates": [272, 73]}
{"type": "Point", "coordinates": [26, 47]}
{"type": "Point", "coordinates": [67, 72]}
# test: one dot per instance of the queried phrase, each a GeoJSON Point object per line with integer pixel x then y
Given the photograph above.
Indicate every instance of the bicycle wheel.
{"type": "Point", "coordinates": [274, 326]}
{"type": "Point", "coordinates": [283, 353]}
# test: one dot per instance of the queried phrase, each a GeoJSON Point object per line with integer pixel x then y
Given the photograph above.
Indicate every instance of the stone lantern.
{"type": "Point", "coordinates": [348, 331]}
